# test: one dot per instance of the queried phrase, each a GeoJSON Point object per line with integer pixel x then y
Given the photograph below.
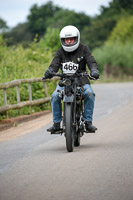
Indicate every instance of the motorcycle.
{"type": "Point", "coordinates": [73, 125]}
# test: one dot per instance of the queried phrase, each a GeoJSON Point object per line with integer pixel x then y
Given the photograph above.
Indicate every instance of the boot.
{"type": "Point", "coordinates": [90, 128]}
{"type": "Point", "coordinates": [54, 128]}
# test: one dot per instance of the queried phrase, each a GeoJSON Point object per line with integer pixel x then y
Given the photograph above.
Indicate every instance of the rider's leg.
{"type": "Point", "coordinates": [56, 109]}
{"type": "Point", "coordinates": [89, 100]}
{"type": "Point", "coordinates": [56, 105]}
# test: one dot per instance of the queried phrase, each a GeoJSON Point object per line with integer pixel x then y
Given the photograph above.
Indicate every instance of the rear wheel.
{"type": "Point", "coordinates": [77, 140]}
{"type": "Point", "coordinates": [78, 132]}
{"type": "Point", "coordinates": [69, 129]}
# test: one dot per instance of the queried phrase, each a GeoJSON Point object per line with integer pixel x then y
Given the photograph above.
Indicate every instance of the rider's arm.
{"type": "Point", "coordinates": [56, 62]}
{"type": "Point", "coordinates": [90, 60]}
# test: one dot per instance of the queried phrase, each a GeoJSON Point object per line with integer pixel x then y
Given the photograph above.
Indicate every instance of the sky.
{"type": "Point", "coordinates": [16, 11]}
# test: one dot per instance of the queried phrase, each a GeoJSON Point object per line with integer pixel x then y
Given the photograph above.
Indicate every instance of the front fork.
{"type": "Point", "coordinates": [64, 110]}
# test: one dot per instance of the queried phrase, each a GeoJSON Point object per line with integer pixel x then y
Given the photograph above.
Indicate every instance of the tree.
{"type": "Point", "coordinates": [67, 17]}
{"type": "Point", "coordinates": [51, 40]}
{"type": "Point", "coordinates": [3, 25]}
{"type": "Point", "coordinates": [123, 31]}
{"type": "Point", "coordinates": [39, 17]}
{"type": "Point", "coordinates": [19, 34]}
{"type": "Point", "coordinates": [97, 33]}
{"type": "Point", "coordinates": [126, 5]}
{"type": "Point", "coordinates": [103, 24]}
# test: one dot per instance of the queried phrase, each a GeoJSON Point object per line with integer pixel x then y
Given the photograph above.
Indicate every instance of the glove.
{"type": "Point", "coordinates": [48, 73]}
{"type": "Point", "coordinates": [95, 73]}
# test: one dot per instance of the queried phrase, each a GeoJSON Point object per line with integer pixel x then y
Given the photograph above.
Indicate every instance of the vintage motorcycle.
{"type": "Point", "coordinates": [72, 120]}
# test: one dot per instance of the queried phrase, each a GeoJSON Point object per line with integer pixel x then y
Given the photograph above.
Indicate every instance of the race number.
{"type": "Point", "coordinates": [69, 68]}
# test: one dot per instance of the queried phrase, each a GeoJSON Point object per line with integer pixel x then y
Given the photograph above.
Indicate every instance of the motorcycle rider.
{"type": "Point", "coordinates": [74, 51]}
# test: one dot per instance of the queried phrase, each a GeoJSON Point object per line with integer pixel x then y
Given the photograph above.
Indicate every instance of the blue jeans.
{"type": "Point", "coordinates": [89, 99]}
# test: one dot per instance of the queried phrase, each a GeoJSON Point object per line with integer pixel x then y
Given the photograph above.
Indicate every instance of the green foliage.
{"type": "Point", "coordinates": [115, 55]}
{"type": "Point", "coordinates": [20, 63]}
{"type": "Point", "coordinates": [39, 17]}
{"type": "Point", "coordinates": [96, 34]}
{"type": "Point", "coordinates": [126, 5]}
{"type": "Point", "coordinates": [103, 24]}
{"type": "Point", "coordinates": [118, 49]}
{"type": "Point", "coordinates": [94, 30]}
{"type": "Point", "coordinates": [19, 35]}
{"type": "Point", "coordinates": [50, 40]}
{"type": "Point", "coordinates": [123, 31]}
{"type": "Point", "coordinates": [3, 25]}
{"type": "Point", "coordinates": [67, 17]}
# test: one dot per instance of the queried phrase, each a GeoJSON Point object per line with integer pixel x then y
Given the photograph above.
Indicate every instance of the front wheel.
{"type": "Point", "coordinates": [69, 129]}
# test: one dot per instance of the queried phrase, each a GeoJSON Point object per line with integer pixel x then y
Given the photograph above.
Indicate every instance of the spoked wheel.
{"type": "Point", "coordinates": [69, 129]}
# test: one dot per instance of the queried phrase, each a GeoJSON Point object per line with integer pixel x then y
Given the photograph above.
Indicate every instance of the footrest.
{"type": "Point", "coordinates": [90, 131]}
{"type": "Point", "coordinates": [57, 132]}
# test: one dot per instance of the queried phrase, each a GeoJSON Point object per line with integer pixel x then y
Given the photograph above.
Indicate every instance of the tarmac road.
{"type": "Point", "coordinates": [37, 166]}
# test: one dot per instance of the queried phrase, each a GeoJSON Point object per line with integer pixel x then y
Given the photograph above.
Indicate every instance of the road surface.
{"type": "Point", "coordinates": [35, 165]}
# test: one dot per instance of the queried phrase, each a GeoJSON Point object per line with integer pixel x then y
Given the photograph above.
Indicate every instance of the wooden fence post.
{"type": "Point", "coordinates": [18, 97]}
{"type": "Point", "coordinates": [30, 95]}
{"type": "Point", "coordinates": [5, 100]}
{"type": "Point", "coordinates": [45, 89]}
{"type": "Point", "coordinates": [5, 97]}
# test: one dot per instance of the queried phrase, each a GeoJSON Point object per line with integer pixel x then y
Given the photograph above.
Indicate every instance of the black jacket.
{"type": "Point", "coordinates": [81, 56]}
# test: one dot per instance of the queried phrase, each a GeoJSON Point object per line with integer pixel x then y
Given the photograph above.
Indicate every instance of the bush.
{"type": "Point", "coordinates": [115, 55]}
{"type": "Point", "coordinates": [123, 31]}
{"type": "Point", "coordinates": [51, 40]}
{"type": "Point", "coordinates": [17, 62]}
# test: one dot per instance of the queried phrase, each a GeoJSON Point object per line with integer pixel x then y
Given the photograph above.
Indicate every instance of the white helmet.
{"type": "Point", "coordinates": [70, 32]}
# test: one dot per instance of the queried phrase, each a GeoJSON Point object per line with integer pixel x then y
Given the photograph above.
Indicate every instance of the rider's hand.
{"type": "Point", "coordinates": [95, 73]}
{"type": "Point", "coordinates": [48, 73]}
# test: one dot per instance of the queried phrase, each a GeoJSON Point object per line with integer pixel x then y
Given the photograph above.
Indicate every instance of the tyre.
{"type": "Point", "coordinates": [69, 130]}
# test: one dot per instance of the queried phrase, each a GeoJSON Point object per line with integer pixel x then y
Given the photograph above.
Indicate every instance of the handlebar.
{"type": "Point", "coordinates": [76, 74]}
